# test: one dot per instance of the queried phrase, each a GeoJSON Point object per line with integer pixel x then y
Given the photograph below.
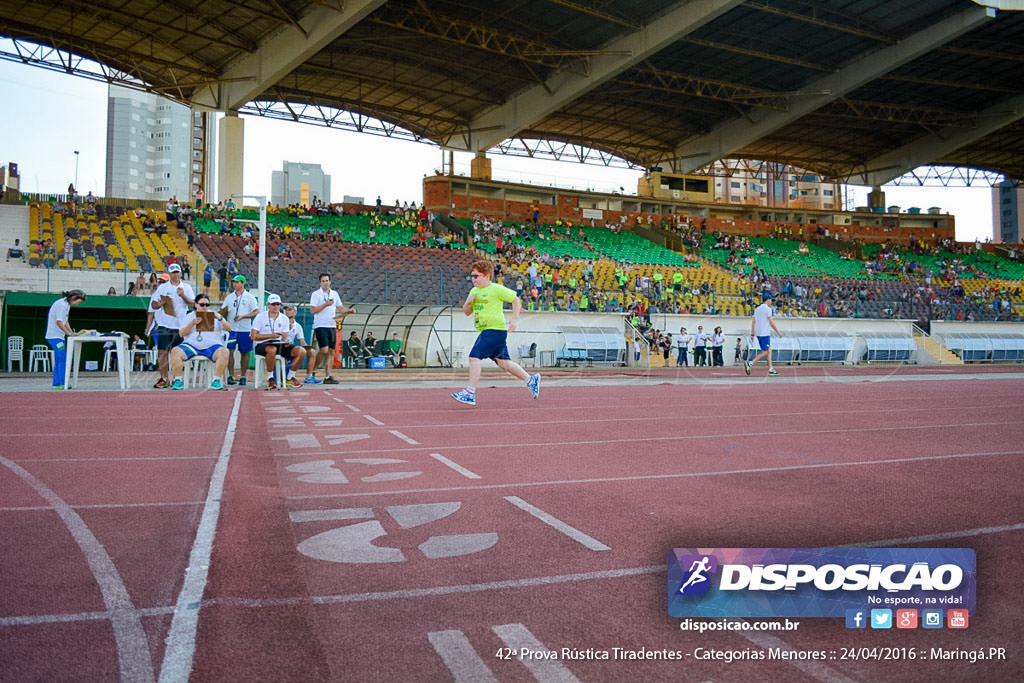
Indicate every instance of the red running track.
{"type": "Point", "coordinates": [387, 535]}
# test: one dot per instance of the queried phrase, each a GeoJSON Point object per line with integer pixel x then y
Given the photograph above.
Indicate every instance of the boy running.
{"type": "Point", "coordinates": [484, 303]}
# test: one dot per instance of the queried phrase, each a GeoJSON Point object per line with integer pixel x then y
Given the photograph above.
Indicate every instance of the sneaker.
{"type": "Point", "coordinates": [533, 384]}
{"type": "Point", "coordinates": [178, 385]}
{"type": "Point", "coordinates": [329, 380]}
{"type": "Point", "coordinates": [312, 380]}
{"type": "Point", "coordinates": [59, 386]}
{"type": "Point", "coordinates": [241, 381]}
{"type": "Point", "coordinates": [161, 384]}
{"type": "Point", "coordinates": [773, 371]}
{"type": "Point", "coordinates": [746, 366]}
{"type": "Point", "coordinates": [294, 382]}
{"type": "Point", "coordinates": [231, 380]}
{"type": "Point", "coordinates": [465, 397]}
{"type": "Point", "coordinates": [216, 385]}
{"type": "Point", "coordinates": [271, 383]}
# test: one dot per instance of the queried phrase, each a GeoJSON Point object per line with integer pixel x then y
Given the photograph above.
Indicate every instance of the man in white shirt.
{"type": "Point", "coordinates": [761, 326]}
{"type": "Point", "coordinates": [698, 347]}
{"type": "Point", "coordinates": [325, 305]}
{"type": "Point", "coordinates": [169, 303]}
{"type": "Point", "coordinates": [239, 309]}
{"type": "Point", "coordinates": [205, 343]}
{"type": "Point", "coordinates": [269, 332]}
{"type": "Point", "coordinates": [682, 345]}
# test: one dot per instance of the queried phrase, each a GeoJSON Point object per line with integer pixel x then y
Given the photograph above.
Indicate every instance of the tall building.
{"type": "Point", "coordinates": [1007, 212]}
{"type": "Point", "coordinates": [149, 146]}
{"type": "Point", "coordinates": [759, 183]}
{"type": "Point", "coordinates": [299, 183]}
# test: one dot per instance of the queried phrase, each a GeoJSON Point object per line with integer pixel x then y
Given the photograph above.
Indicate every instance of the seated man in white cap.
{"type": "Point", "coordinates": [270, 330]}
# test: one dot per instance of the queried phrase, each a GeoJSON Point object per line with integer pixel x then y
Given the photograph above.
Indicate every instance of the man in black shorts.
{"type": "Point", "coordinates": [326, 307]}
{"type": "Point", "coordinates": [270, 330]}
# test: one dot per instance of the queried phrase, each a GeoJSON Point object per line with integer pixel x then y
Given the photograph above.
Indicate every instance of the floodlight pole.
{"type": "Point", "coordinates": [76, 170]}
{"type": "Point", "coordinates": [261, 278]}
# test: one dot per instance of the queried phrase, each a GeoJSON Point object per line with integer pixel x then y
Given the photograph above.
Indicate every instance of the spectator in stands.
{"type": "Point", "coordinates": [239, 309]}
{"type": "Point", "coordinates": [139, 353]}
{"type": "Point", "coordinates": [202, 332]}
{"type": "Point", "coordinates": [270, 329]}
{"type": "Point", "coordinates": [484, 303]}
{"type": "Point", "coordinates": [58, 329]}
{"type": "Point", "coordinates": [207, 277]}
{"type": "Point", "coordinates": [326, 307]}
{"type": "Point", "coordinates": [186, 267]}
{"type": "Point", "coordinates": [17, 251]}
{"type": "Point", "coordinates": [111, 292]}
{"type": "Point", "coordinates": [169, 304]}
{"type": "Point", "coordinates": [761, 326]}
{"type": "Point", "coordinates": [69, 249]}
{"type": "Point", "coordinates": [395, 352]}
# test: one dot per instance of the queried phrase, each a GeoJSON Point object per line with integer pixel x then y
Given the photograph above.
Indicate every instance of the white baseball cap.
{"type": "Point", "coordinates": [174, 268]}
{"type": "Point", "coordinates": [273, 299]}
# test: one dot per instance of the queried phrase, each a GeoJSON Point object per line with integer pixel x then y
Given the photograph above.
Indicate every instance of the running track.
{"type": "Point", "coordinates": [391, 534]}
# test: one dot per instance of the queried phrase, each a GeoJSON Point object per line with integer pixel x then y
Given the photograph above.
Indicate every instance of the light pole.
{"type": "Point", "coordinates": [76, 170]}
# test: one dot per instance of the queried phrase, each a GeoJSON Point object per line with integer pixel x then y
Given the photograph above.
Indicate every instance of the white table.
{"type": "Point", "coordinates": [74, 350]}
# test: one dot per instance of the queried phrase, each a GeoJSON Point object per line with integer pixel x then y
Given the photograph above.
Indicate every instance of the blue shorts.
{"type": "Point", "coordinates": [765, 342]}
{"type": "Point", "coordinates": [491, 344]}
{"type": "Point", "coordinates": [205, 353]}
{"type": "Point", "coordinates": [239, 340]}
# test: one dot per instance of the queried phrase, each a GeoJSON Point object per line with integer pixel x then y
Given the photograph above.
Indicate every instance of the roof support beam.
{"type": "Point", "coordinates": [252, 74]}
{"type": "Point", "coordinates": [929, 149]}
{"type": "Point", "coordinates": [536, 102]}
{"type": "Point", "coordinates": [738, 133]}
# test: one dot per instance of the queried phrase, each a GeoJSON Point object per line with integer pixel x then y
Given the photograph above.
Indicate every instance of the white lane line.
{"type": "Point", "coordinates": [354, 409]}
{"type": "Point", "coordinates": [105, 506]}
{"type": "Point", "coordinates": [458, 655]}
{"type": "Point", "coordinates": [374, 420]}
{"type": "Point", "coordinates": [330, 515]}
{"type": "Point", "coordinates": [181, 639]}
{"type": "Point", "coordinates": [133, 657]}
{"type": "Point", "coordinates": [519, 638]}
{"type": "Point", "coordinates": [76, 434]}
{"type": "Point", "coordinates": [436, 591]}
{"type": "Point", "coordinates": [116, 459]}
{"type": "Point", "coordinates": [403, 437]}
{"type": "Point", "coordinates": [455, 466]}
{"type": "Point", "coordinates": [570, 531]}
{"type": "Point", "coordinates": [815, 670]}
{"type": "Point", "coordinates": [651, 477]}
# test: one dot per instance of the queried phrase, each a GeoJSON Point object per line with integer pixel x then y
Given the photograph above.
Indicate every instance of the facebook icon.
{"type": "Point", "coordinates": [856, 618]}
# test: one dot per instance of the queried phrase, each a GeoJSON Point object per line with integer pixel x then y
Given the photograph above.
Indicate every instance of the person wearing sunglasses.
{"type": "Point", "coordinates": [202, 332]}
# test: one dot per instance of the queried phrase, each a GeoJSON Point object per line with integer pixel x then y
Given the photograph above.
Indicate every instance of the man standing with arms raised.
{"type": "Point", "coordinates": [169, 304]}
{"type": "Point", "coordinates": [239, 309]}
{"type": "Point", "coordinates": [325, 305]}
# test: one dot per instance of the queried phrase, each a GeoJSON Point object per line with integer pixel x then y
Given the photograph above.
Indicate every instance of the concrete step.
{"type": "Point", "coordinates": [935, 349]}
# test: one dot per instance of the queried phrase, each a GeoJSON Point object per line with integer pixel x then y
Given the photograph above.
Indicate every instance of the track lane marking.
{"type": "Point", "coordinates": [455, 466]}
{"type": "Point", "coordinates": [552, 521]}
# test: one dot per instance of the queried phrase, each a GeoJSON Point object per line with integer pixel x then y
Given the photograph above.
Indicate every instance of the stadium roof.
{"type": "Point", "coordinates": [857, 90]}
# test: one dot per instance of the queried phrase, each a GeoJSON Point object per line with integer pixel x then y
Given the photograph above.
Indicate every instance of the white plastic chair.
{"type": "Point", "coordinates": [40, 358]}
{"type": "Point", "coordinates": [109, 357]}
{"type": "Point", "coordinates": [261, 371]}
{"type": "Point", "coordinates": [15, 348]}
{"type": "Point", "coordinates": [198, 371]}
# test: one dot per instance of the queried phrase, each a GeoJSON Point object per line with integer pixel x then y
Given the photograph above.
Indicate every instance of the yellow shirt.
{"type": "Point", "coordinates": [487, 307]}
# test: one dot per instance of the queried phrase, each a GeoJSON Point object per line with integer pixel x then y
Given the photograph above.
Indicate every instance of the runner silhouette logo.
{"type": "Point", "coordinates": [695, 580]}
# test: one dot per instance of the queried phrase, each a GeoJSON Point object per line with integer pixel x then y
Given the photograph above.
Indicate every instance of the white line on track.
{"type": "Point", "coordinates": [116, 459]}
{"type": "Point", "coordinates": [519, 638]}
{"type": "Point", "coordinates": [354, 409]}
{"type": "Point", "coordinates": [455, 466]}
{"type": "Point", "coordinates": [403, 437]}
{"type": "Point", "coordinates": [374, 420]}
{"type": "Point", "coordinates": [435, 591]}
{"type": "Point", "coordinates": [674, 475]}
{"type": "Point", "coordinates": [458, 655]}
{"type": "Point", "coordinates": [109, 435]}
{"type": "Point", "coordinates": [552, 521]}
{"type": "Point", "coordinates": [133, 655]}
{"type": "Point", "coordinates": [181, 639]}
{"type": "Point", "coordinates": [106, 506]}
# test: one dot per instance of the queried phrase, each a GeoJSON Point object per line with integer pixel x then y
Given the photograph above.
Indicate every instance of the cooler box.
{"type": "Point", "coordinates": [377, 363]}
{"type": "Point", "coordinates": [92, 365]}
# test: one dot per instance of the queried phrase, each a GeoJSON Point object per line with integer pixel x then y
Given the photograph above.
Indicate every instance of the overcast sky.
{"type": "Point", "coordinates": [48, 115]}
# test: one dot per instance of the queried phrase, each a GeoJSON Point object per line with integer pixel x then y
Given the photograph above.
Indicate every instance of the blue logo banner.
{"type": "Point", "coordinates": [817, 582]}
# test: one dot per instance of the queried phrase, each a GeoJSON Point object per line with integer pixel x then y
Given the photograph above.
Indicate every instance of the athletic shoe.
{"type": "Point", "coordinates": [59, 386]}
{"type": "Point", "coordinates": [241, 381]}
{"type": "Point", "coordinates": [312, 380]}
{"type": "Point", "coordinates": [178, 385]}
{"type": "Point", "coordinates": [533, 384]}
{"type": "Point", "coordinates": [773, 371]}
{"type": "Point", "coordinates": [231, 380]}
{"type": "Point", "coordinates": [329, 380]}
{"type": "Point", "coordinates": [216, 385]}
{"type": "Point", "coordinates": [161, 384]}
{"type": "Point", "coordinates": [746, 366]}
{"type": "Point", "coordinates": [465, 397]}
{"type": "Point", "coordinates": [294, 382]}
{"type": "Point", "coordinates": [271, 383]}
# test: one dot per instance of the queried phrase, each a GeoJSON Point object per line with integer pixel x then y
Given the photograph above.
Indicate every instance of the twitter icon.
{"type": "Point", "coordinates": [881, 618]}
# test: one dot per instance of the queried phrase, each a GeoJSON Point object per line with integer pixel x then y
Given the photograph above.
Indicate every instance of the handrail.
{"type": "Point", "coordinates": [639, 341]}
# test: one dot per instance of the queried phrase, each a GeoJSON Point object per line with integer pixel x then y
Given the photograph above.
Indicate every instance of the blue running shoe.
{"type": "Point", "coordinates": [533, 384]}
{"type": "Point", "coordinates": [312, 380]}
{"type": "Point", "coordinates": [773, 371]}
{"type": "Point", "coordinates": [465, 397]}
{"type": "Point", "coordinates": [216, 385]}
{"type": "Point", "coordinates": [178, 385]}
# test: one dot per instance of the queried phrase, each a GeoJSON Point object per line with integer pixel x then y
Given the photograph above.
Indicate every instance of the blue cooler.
{"type": "Point", "coordinates": [377, 363]}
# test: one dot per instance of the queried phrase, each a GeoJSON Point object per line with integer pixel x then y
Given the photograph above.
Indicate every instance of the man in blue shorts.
{"type": "Point", "coordinates": [484, 303]}
{"type": "Point", "coordinates": [239, 309]}
{"type": "Point", "coordinates": [202, 331]}
{"type": "Point", "coordinates": [761, 327]}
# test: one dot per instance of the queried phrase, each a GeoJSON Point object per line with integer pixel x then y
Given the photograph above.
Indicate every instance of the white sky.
{"type": "Point", "coordinates": [48, 115]}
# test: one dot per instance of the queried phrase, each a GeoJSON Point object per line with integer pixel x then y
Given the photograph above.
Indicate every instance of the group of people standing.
{"type": "Point", "coordinates": [707, 347]}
